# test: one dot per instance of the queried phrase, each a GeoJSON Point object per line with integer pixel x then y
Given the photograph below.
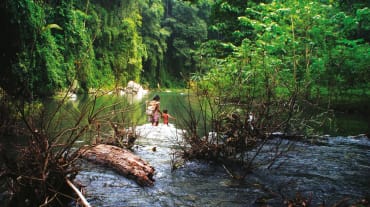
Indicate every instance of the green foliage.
{"type": "Point", "coordinates": [293, 46]}
{"type": "Point", "coordinates": [118, 44]}
{"type": "Point", "coordinates": [154, 40]}
{"type": "Point", "coordinates": [97, 44]}
{"type": "Point", "coordinates": [37, 67]}
{"type": "Point", "coordinates": [305, 45]}
{"type": "Point", "coordinates": [187, 31]}
{"type": "Point", "coordinates": [279, 54]}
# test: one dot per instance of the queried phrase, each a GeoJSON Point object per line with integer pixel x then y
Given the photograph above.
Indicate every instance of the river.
{"type": "Point", "coordinates": [335, 168]}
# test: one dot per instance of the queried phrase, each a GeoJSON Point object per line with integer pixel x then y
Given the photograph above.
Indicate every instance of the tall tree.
{"type": "Point", "coordinates": [118, 41]}
{"type": "Point", "coordinates": [188, 30]}
{"type": "Point", "coordinates": [154, 39]}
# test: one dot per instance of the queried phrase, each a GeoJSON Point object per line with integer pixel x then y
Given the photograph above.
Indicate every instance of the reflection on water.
{"type": "Point", "coordinates": [351, 124]}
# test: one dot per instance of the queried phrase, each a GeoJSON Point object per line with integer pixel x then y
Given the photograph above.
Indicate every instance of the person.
{"type": "Point", "coordinates": [166, 116]}
{"type": "Point", "coordinates": [156, 115]}
{"type": "Point", "coordinates": [153, 108]}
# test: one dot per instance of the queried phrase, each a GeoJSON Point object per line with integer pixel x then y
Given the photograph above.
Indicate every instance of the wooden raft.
{"type": "Point", "coordinates": [122, 160]}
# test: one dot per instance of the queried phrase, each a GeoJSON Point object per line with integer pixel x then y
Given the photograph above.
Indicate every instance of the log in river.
{"type": "Point", "coordinates": [122, 160]}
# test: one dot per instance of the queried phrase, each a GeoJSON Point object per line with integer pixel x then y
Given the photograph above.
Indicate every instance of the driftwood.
{"type": "Point", "coordinates": [122, 160]}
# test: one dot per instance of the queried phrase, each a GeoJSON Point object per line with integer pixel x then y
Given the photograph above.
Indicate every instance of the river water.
{"type": "Point", "coordinates": [329, 171]}
{"type": "Point", "coordinates": [336, 168]}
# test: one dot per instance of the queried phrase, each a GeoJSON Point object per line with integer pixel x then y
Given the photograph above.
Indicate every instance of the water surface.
{"type": "Point", "coordinates": [336, 168]}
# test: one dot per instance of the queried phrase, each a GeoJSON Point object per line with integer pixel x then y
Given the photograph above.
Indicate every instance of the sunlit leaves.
{"type": "Point", "coordinates": [52, 26]}
{"type": "Point", "coordinates": [294, 45]}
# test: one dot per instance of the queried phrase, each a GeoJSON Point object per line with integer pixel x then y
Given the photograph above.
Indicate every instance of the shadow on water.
{"type": "Point", "coordinates": [335, 169]}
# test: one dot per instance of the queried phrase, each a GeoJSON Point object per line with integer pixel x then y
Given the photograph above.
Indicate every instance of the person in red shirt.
{"type": "Point", "coordinates": [166, 116]}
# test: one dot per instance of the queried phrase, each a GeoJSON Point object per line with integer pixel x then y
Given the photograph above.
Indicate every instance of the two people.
{"type": "Point", "coordinates": [154, 112]}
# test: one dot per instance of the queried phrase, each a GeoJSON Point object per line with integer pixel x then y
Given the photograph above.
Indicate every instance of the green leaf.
{"type": "Point", "coordinates": [52, 26]}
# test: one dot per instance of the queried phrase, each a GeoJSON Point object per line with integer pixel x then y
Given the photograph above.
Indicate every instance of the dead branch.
{"type": "Point", "coordinates": [79, 194]}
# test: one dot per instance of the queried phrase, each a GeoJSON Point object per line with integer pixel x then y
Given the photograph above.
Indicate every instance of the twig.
{"type": "Point", "coordinates": [228, 171]}
{"type": "Point", "coordinates": [47, 201]}
{"type": "Point", "coordinates": [79, 194]}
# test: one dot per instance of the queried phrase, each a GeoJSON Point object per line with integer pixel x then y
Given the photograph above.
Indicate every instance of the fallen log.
{"type": "Point", "coordinates": [122, 160]}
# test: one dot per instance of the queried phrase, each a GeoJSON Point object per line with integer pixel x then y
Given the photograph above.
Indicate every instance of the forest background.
{"type": "Point", "coordinates": [275, 58]}
{"type": "Point", "coordinates": [48, 46]}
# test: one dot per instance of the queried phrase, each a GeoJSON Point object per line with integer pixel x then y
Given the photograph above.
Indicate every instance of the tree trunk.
{"type": "Point", "coordinates": [122, 160]}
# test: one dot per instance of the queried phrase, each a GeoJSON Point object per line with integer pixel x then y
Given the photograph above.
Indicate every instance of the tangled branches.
{"type": "Point", "coordinates": [37, 171]}
{"type": "Point", "coordinates": [37, 175]}
{"type": "Point", "coordinates": [244, 134]}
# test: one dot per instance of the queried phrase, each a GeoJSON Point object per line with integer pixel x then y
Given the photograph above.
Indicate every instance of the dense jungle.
{"type": "Point", "coordinates": [252, 75]}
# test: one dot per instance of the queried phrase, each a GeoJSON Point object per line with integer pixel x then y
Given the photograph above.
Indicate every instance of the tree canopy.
{"type": "Point", "coordinates": [49, 46]}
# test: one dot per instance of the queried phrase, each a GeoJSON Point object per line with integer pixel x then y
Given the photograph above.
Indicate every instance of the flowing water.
{"type": "Point", "coordinates": [336, 168]}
